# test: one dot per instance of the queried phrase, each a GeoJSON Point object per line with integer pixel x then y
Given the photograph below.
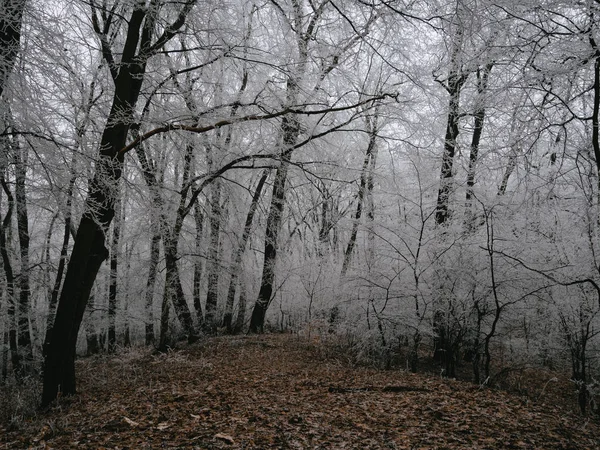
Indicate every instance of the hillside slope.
{"type": "Point", "coordinates": [275, 392]}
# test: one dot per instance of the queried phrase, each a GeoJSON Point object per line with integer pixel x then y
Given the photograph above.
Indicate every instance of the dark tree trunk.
{"type": "Point", "coordinates": [91, 336]}
{"type": "Point", "coordinates": [479, 114]}
{"type": "Point", "coordinates": [151, 283]}
{"type": "Point", "coordinates": [10, 37]}
{"type": "Point", "coordinates": [236, 264]}
{"type": "Point", "coordinates": [170, 237]}
{"type": "Point", "coordinates": [290, 128]}
{"type": "Point", "coordinates": [197, 288]}
{"type": "Point", "coordinates": [241, 314]}
{"type": "Point", "coordinates": [112, 288]}
{"type": "Point", "coordinates": [326, 220]}
{"type": "Point", "coordinates": [15, 358]}
{"type": "Point", "coordinates": [362, 190]}
{"type": "Point", "coordinates": [24, 336]}
{"type": "Point", "coordinates": [89, 250]}
{"type": "Point", "coordinates": [456, 79]}
{"type": "Point", "coordinates": [212, 291]}
{"type": "Point", "coordinates": [61, 263]}
{"type": "Point", "coordinates": [126, 327]}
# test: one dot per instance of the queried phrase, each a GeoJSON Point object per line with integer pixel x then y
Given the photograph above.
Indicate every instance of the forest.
{"type": "Point", "coordinates": [417, 181]}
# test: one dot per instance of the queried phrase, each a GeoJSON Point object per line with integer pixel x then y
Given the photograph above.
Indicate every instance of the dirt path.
{"type": "Point", "coordinates": [273, 392]}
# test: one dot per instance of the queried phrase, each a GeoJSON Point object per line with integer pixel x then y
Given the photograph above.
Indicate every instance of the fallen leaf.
{"type": "Point", "coordinates": [225, 437]}
{"type": "Point", "coordinates": [163, 426]}
{"type": "Point", "coordinates": [131, 422]}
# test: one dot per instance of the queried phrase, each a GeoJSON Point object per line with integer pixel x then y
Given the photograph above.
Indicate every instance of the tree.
{"type": "Point", "coordinates": [88, 249]}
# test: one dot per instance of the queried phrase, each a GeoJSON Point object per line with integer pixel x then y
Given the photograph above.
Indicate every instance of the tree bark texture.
{"type": "Point", "coordinates": [113, 278]}
{"type": "Point", "coordinates": [197, 287]}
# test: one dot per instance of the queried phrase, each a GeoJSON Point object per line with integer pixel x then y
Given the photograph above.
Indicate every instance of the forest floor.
{"type": "Point", "coordinates": [278, 392]}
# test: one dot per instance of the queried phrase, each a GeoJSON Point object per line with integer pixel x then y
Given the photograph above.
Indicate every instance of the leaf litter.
{"type": "Point", "coordinates": [277, 392]}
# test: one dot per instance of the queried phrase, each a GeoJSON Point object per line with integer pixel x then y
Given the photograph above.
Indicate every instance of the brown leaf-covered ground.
{"type": "Point", "coordinates": [276, 392]}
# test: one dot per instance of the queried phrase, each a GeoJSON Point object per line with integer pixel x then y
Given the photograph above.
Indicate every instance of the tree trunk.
{"type": "Point", "coordinates": [197, 288]}
{"type": "Point", "coordinates": [170, 238]}
{"type": "Point", "coordinates": [10, 37]}
{"type": "Point", "coordinates": [24, 336]}
{"type": "Point", "coordinates": [91, 336]}
{"type": "Point", "coordinates": [151, 282]}
{"type": "Point", "coordinates": [241, 315]}
{"type": "Point", "coordinates": [212, 291]}
{"type": "Point", "coordinates": [15, 358]}
{"type": "Point", "coordinates": [479, 115]}
{"type": "Point", "coordinates": [456, 79]}
{"type": "Point", "coordinates": [290, 128]}
{"type": "Point", "coordinates": [61, 263]}
{"type": "Point", "coordinates": [362, 189]}
{"type": "Point", "coordinates": [238, 253]}
{"type": "Point", "coordinates": [112, 288]}
{"type": "Point", "coordinates": [89, 250]}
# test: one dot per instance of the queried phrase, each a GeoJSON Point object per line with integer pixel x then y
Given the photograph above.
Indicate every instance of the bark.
{"type": "Point", "coordinates": [24, 336]}
{"type": "Point", "coordinates": [126, 329]}
{"type": "Point", "coordinates": [151, 283]}
{"type": "Point", "coordinates": [596, 121]}
{"type": "Point", "coordinates": [15, 357]}
{"type": "Point", "coordinates": [212, 291]}
{"type": "Point", "coordinates": [238, 253]}
{"type": "Point", "coordinates": [112, 288]}
{"type": "Point", "coordinates": [89, 250]}
{"type": "Point", "coordinates": [93, 344]}
{"type": "Point", "coordinates": [197, 288]}
{"type": "Point", "coordinates": [326, 220]}
{"type": "Point", "coordinates": [241, 315]}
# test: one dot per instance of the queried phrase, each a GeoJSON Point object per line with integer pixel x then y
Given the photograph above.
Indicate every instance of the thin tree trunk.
{"type": "Point", "coordinates": [10, 283]}
{"type": "Point", "coordinates": [151, 282]}
{"type": "Point", "coordinates": [113, 278]}
{"type": "Point", "coordinates": [238, 253]}
{"type": "Point", "coordinates": [212, 292]}
{"type": "Point", "coordinates": [290, 129]}
{"type": "Point", "coordinates": [362, 188]}
{"type": "Point", "coordinates": [456, 80]}
{"type": "Point", "coordinates": [373, 128]}
{"type": "Point", "coordinates": [197, 288]}
{"type": "Point", "coordinates": [479, 114]}
{"type": "Point", "coordinates": [24, 336]}
{"type": "Point", "coordinates": [510, 167]}
{"type": "Point", "coordinates": [126, 328]}
{"type": "Point", "coordinates": [62, 261]}
{"type": "Point", "coordinates": [89, 250]}
{"type": "Point", "coordinates": [326, 220]}
{"type": "Point", "coordinates": [241, 314]}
